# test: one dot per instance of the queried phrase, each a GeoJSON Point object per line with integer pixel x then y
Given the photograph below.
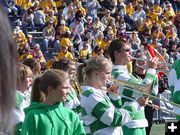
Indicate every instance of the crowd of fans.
{"type": "Point", "coordinates": [79, 29]}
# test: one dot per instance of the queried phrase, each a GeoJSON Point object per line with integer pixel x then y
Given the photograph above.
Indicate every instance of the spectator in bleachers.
{"type": "Point", "coordinates": [161, 21]}
{"type": "Point", "coordinates": [28, 20]}
{"type": "Point", "coordinates": [107, 19]}
{"type": "Point", "coordinates": [50, 3]}
{"type": "Point", "coordinates": [39, 18]}
{"type": "Point", "coordinates": [77, 24]}
{"type": "Point", "coordinates": [74, 52]}
{"type": "Point", "coordinates": [64, 53]}
{"type": "Point", "coordinates": [157, 8]}
{"type": "Point", "coordinates": [30, 41]}
{"type": "Point", "coordinates": [60, 32]}
{"type": "Point", "coordinates": [165, 55]}
{"type": "Point", "coordinates": [26, 54]}
{"type": "Point", "coordinates": [9, 7]}
{"type": "Point", "coordinates": [49, 36]}
{"type": "Point", "coordinates": [60, 4]}
{"type": "Point", "coordinates": [88, 24]}
{"type": "Point", "coordinates": [51, 17]}
{"type": "Point", "coordinates": [97, 24]}
{"type": "Point", "coordinates": [86, 41]}
{"type": "Point", "coordinates": [105, 43]}
{"type": "Point", "coordinates": [138, 16]}
{"type": "Point", "coordinates": [37, 53]}
{"type": "Point", "coordinates": [84, 53]}
{"type": "Point", "coordinates": [92, 7]}
{"type": "Point", "coordinates": [27, 4]}
{"type": "Point", "coordinates": [34, 65]}
{"type": "Point", "coordinates": [168, 11]}
{"type": "Point", "coordinates": [65, 40]}
{"type": "Point", "coordinates": [177, 22]}
{"type": "Point", "coordinates": [19, 37]}
{"type": "Point", "coordinates": [121, 25]}
{"type": "Point", "coordinates": [97, 51]}
{"type": "Point", "coordinates": [69, 11]}
{"type": "Point", "coordinates": [134, 41]}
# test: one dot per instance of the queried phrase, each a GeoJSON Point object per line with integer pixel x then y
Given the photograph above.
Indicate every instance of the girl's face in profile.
{"type": "Point", "coordinates": [27, 82]}
{"type": "Point", "coordinates": [60, 93]}
{"type": "Point", "coordinates": [104, 76]}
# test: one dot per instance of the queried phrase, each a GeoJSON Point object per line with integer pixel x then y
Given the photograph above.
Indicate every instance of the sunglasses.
{"type": "Point", "coordinates": [124, 50]}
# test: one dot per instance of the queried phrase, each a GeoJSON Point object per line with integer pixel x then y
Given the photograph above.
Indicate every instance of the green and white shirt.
{"type": "Point", "coordinates": [21, 103]}
{"type": "Point", "coordinates": [100, 116]}
{"type": "Point", "coordinates": [120, 72]}
{"type": "Point", "coordinates": [72, 102]}
{"type": "Point", "coordinates": [174, 83]}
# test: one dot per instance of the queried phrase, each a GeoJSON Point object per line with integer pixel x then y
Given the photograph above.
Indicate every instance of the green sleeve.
{"type": "Point", "coordinates": [78, 127]}
{"type": "Point", "coordinates": [115, 100]}
{"type": "Point", "coordinates": [28, 125]}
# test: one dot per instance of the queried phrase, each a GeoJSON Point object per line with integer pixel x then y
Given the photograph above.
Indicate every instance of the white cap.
{"type": "Point", "coordinates": [89, 17]}
{"type": "Point", "coordinates": [17, 29]}
{"type": "Point", "coordinates": [159, 45]}
{"type": "Point", "coordinates": [63, 22]}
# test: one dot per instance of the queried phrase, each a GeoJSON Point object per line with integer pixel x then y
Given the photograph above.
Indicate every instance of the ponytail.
{"type": "Point", "coordinates": [37, 95]}
{"type": "Point", "coordinates": [80, 73]}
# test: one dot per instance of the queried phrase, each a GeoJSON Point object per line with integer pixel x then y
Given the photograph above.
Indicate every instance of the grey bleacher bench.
{"type": "Point", "coordinates": [35, 32]}
{"type": "Point", "coordinates": [130, 32]}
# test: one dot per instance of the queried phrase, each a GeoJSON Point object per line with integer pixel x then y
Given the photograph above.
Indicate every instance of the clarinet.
{"type": "Point", "coordinates": [76, 87]}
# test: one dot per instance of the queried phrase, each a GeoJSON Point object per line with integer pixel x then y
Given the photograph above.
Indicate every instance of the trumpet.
{"type": "Point", "coordinates": [142, 91]}
{"type": "Point", "coordinates": [160, 63]}
{"type": "Point", "coordinates": [148, 104]}
{"type": "Point", "coordinates": [142, 88]}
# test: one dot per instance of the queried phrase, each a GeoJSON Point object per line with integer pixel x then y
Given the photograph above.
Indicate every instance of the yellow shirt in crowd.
{"type": "Point", "coordinates": [26, 5]}
{"type": "Point", "coordinates": [49, 3]}
{"type": "Point", "coordinates": [83, 53]}
{"type": "Point", "coordinates": [169, 13]}
{"type": "Point", "coordinates": [129, 10]}
{"type": "Point", "coordinates": [67, 55]}
{"type": "Point", "coordinates": [65, 42]}
{"type": "Point", "coordinates": [104, 44]}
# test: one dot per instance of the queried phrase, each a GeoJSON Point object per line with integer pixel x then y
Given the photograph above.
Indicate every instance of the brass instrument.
{"type": "Point", "coordinates": [143, 89]}
{"type": "Point", "coordinates": [132, 99]}
{"type": "Point", "coordinates": [76, 86]}
{"type": "Point", "coordinates": [160, 63]}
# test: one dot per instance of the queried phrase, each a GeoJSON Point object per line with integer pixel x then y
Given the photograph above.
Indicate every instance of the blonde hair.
{"type": "Point", "coordinates": [97, 63]}
{"type": "Point", "coordinates": [24, 72]}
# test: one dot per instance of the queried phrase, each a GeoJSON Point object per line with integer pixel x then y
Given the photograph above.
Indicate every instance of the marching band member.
{"type": "Point", "coordinates": [46, 114]}
{"type": "Point", "coordinates": [174, 83]}
{"type": "Point", "coordinates": [72, 102]}
{"type": "Point", "coordinates": [99, 115]}
{"type": "Point", "coordinates": [139, 71]}
{"type": "Point", "coordinates": [119, 52]}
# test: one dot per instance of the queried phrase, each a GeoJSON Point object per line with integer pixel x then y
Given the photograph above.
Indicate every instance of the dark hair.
{"type": "Point", "coordinates": [97, 49]}
{"type": "Point", "coordinates": [115, 45]}
{"type": "Point", "coordinates": [8, 68]}
{"type": "Point", "coordinates": [63, 64]}
{"type": "Point", "coordinates": [30, 62]}
{"type": "Point", "coordinates": [50, 78]}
